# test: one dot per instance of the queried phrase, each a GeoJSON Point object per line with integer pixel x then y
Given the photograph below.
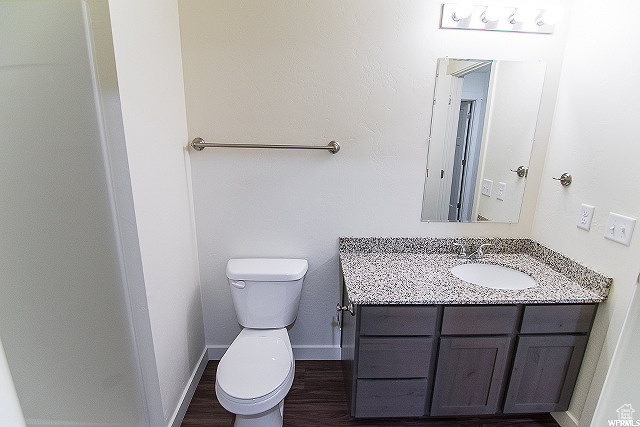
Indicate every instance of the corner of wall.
{"type": "Point", "coordinates": [189, 391]}
{"type": "Point", "coordinates": [586, 119]}
{"type": "Point", "coordinates": [154, 117]}
{"type": "Point", "coordinates": [565, 419]}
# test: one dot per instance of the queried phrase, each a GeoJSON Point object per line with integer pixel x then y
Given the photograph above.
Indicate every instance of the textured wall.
{"type": "Point", "coordinates": [360, 72]}
{"type": "Point", "coordinates": [595, 140]}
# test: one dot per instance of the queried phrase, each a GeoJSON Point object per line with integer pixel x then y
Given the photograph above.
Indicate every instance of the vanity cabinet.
{"type": "Point", "coordinates": [547, 360]}
{"type": "Point", "coordinates": [435, 360]}
{"type": "Point", "coordinates": [471, 369]}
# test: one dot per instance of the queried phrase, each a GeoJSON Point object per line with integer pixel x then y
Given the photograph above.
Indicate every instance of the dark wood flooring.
{"type": "Point", "coordinates": [318, 398]}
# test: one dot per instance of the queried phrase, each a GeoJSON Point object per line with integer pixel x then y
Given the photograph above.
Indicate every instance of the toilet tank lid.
{"type": "Point", "coordinates": [266, 269]}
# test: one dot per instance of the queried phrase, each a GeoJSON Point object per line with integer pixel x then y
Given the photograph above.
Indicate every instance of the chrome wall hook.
{"type": "Point", "coordinates": [521, 171]}
{"type": "Point", "coordinates": [565, 179]}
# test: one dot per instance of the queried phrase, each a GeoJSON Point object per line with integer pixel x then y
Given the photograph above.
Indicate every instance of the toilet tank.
{"type": "Point", "coordinates": [266, 291]}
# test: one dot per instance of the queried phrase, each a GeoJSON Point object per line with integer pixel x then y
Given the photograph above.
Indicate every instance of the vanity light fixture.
{"type": "Point", "coordinates": [464, 16]}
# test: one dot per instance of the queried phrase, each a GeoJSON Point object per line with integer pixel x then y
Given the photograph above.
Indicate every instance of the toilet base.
{"type": "Point", "coordinates": [270, 418]}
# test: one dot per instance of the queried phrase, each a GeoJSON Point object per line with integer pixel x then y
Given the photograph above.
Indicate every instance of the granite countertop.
{"type": "Point", "coordinates": [416, 271]}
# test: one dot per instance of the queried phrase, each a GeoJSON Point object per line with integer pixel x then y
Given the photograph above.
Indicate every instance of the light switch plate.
{"type": "Point", "coordinates": [619, 228]}
{"type": "Point", "coordinates": [487, 185]}
{"type": "Point", "coordinates": [586, 216]}
{"type": "Point", "coordinates": [502, 188]}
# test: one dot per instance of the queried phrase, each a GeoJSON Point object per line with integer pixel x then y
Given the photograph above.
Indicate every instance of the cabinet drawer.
{"type": "Point", "coordinates": [480, 320]}
{"type": "Point", "coordinates": [391, 398]}
{"type": "Point", "coordinates": [398, 320]}
{"type": "Point", "coordinates": [408, 357]}
{"type": "Point", "coordinates": [560, 318]}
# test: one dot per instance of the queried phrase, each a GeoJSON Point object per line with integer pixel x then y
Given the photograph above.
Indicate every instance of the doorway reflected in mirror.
{"type": "Point", "coordinates": [482, 131]}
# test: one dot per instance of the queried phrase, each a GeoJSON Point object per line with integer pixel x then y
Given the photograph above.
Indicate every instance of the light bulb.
{"type": "Point", "coordinates": [491, 14]}
{"type": "Point", "coordinates": [462, 11]}
{"type": "Point", "coordinates": [522, 14]}
{"type": "Point", "coordinates": [548, 17]}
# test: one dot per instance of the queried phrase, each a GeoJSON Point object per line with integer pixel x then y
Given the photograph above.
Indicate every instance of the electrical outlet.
{"type": "Point", "coordinates": [502, 188]}
{"type": "Point", "coordinates": [487, 185]}
{"type": "Point", "coordinates": [619, 228]}
{"type": "Point", "coordinates": [586, 215]}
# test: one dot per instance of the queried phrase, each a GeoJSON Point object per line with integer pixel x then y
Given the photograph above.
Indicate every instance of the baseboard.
{"type": "Point", "coordinates": [215, 352]}
{"type": "Point", "coordinates": [316, 352]}
{"type": "Point", "coordinates": [300, 352]}
{"type": "Point", "coordinates": [565, 419]}
{"type": "Point", "coordinates": [189, 390]}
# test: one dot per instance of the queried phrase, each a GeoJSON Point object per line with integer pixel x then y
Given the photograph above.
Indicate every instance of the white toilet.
{"type": "Point", "coordinates": [256, 372]}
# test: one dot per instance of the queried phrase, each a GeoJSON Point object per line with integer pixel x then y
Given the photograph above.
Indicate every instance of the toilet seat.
{"type": "Point", "coordinates": [256, 372]}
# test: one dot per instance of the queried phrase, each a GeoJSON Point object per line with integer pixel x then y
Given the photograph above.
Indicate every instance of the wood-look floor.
{"type": "Point", "coordinates": [318, 398]}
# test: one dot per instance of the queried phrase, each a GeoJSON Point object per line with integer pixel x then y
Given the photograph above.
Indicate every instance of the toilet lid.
{"type": "Point", "coordinates": [256, 364]}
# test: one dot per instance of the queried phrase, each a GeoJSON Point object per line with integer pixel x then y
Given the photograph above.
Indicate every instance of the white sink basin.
{"type": "Point", "coordinates": [493, 276]}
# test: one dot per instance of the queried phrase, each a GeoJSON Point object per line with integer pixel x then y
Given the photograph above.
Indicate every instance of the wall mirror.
{"type": "Point", "coordinates": [482, 131]}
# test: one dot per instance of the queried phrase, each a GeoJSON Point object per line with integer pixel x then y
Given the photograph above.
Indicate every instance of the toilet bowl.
{"type": "Point", "coordinates": [256, 372]}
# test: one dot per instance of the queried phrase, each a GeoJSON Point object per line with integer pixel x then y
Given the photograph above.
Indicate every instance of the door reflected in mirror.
{"type": "Point", "coordinates": [482, 131]}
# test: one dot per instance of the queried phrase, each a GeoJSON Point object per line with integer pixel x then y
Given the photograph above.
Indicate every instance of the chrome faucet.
{"type": "Point", "coordinates": [477, 254]}
{"type": "Point", "coordinates": [462, 253]}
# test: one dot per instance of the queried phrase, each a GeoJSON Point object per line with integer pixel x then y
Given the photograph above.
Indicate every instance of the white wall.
{"type": "Point", "coordinates": [147, 51]}
{"type": "Point", "coordinates": [360, 72]}
{"type": "Point", "coordinates": [594, 138]}
{"type": "Point", "coordinates": [509, 131]}
{"type": "Point", "coordinates": [622, 386]}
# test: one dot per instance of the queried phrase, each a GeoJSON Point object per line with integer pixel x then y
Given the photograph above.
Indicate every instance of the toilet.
{"type": "Point", "coordinates": [256, 371]}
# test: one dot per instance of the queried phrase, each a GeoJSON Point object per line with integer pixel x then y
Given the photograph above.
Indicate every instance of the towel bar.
{"type": "Point", "coordinates": [199, 144]}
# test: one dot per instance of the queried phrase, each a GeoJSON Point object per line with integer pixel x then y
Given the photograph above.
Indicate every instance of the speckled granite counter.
{"type": "Point", "coordinates": [380, 270]}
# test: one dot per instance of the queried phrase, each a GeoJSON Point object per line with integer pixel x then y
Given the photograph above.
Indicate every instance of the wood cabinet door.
{"type": "Point", "coordinates": [544, 373]}
{"type": "Point", "coordinates": [470, 375]}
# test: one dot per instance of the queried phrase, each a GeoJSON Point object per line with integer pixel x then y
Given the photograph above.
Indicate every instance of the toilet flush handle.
{"type": "Point", "coordinates": [238, 284]}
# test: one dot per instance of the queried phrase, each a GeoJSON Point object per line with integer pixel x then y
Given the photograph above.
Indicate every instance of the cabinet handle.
{"type": "Point", "coordinates": [348, 308]}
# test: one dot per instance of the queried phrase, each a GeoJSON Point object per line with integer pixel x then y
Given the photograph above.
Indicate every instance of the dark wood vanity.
{"type": "Point", "coordinates": [452, 360]}
{"type": "Point", "coordinates": [419, 341]}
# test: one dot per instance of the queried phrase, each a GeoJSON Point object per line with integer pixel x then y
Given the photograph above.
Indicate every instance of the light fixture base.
{"type": "Point", "coordinates": [478, 20]}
